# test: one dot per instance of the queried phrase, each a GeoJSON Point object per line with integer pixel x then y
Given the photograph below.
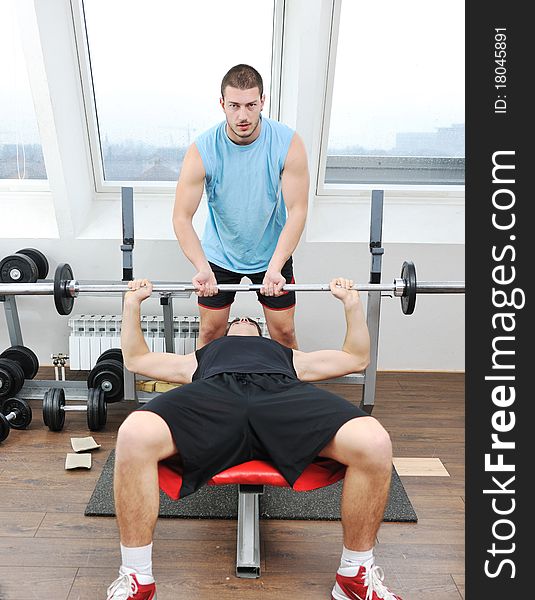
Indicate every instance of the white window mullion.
{"type": "Point", "coordinates": [47, 38]}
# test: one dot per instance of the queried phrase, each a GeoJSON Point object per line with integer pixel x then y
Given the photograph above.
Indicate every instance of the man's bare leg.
{"type": "Point", "coordinates": [281, 327]}
{"type": "Point", "coordinates": [142, 441]}
{"type": "Point", "coordinates": [213, 324]}
{"type": "Point", "coordinates": [365, 448]}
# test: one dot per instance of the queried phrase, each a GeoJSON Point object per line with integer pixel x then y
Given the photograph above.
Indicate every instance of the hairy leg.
{"type": "Point", "coordinates": [281, 327]}
{"type": "Point", "coordinates": [213, 324]}
{"type": "Point", "coordinates": [143, 440]}
{"type": "Point", "coordinates": [364, 447]}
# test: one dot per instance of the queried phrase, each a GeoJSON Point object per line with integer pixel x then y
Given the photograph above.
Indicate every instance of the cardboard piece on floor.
{"type": "Point", "coordinates": [78, 461]}
{"type": "Point", "coordinates": [428, 467]}
{"type": "Point", "coordinates": [83, 444]}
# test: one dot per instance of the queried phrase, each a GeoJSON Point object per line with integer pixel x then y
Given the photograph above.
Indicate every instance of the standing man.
{"type": "Point", "coordinates": [256, 177]}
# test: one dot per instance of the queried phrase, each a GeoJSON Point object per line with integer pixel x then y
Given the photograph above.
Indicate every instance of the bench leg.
{"type": "Point", "coordinates": [248, 547]}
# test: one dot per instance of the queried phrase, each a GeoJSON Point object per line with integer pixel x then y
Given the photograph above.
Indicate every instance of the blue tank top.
{"type": "Point", "coordinates": [246, 210]}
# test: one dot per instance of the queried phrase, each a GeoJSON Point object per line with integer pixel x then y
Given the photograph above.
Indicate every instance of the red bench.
{"type": "Point", "coordinates": [251, 478]}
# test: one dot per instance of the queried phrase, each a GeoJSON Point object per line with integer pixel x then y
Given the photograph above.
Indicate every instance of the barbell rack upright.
{"type": "Point", "coordinates": [373, 306]}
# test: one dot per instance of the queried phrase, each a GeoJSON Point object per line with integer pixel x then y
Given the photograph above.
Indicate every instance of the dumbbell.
{"type": "Point", "coordinates": [54, 409]}
{"type": "Point", "coordinates": [107, 374]}
{"type": "Point", "coordinates": [25, 266]}
{"type": "Point", "coordinates": [25, 357]}
{"type": "Point", "coordinates": [16, 413]}
{"type": "Point", "coordinates": [11, 377]}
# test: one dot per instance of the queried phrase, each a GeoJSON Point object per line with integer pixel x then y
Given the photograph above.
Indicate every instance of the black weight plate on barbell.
{"type": "Point", "coordinates": [11, 377]}
{"type": "Point", "coordinates": [408, 300]}
{"type": "Point", "coordinates": [53, 415]}
{"type": "Point", "coordinates": [23, 410]}
{"type": "Point", "coordinates": [97, 409]}
{"type": "Point", "coordinates": [39, 259]}
{"type": "Point", "coordinates": [113, 354]}
{"type": "Point", "coordinates": [25, 357]}
{"type": "Point", "coordinates": [108, 375]}
{"type": "Point", "coordinates": [63, 301]}
{"type": "Point", "coordinates": [18, 268]}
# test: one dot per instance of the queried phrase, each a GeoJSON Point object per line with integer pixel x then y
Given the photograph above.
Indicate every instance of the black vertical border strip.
{"type": "Point", "coordinates": [489, 132]}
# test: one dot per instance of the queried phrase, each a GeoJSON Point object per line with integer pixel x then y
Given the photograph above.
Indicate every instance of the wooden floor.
{"type": "Point", "coordinates": [50, 551]}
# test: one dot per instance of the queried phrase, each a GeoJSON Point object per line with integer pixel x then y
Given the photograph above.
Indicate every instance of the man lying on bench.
{"type": "Point", "coordinates": [248, 397]}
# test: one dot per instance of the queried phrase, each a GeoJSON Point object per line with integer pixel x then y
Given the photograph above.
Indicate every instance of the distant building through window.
{"type": "Point", "coordinates": [397, 112]}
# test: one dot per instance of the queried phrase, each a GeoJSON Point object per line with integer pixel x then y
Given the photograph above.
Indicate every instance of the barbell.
{"type": "Point", "coordinates": [65, 288]}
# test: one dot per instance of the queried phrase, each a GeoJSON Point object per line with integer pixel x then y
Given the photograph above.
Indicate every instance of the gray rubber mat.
{"type": "Point", "coordinates": [221, 502]}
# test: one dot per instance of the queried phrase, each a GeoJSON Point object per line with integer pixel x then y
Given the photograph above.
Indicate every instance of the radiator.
{"type": "Point", "coordinates": [90, 335]}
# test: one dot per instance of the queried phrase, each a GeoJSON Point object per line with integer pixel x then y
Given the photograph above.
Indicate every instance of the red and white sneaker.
{"type": "Point", "coordinates": [127, 586]}
{"type": "Point", "coordinates": [367, 584]}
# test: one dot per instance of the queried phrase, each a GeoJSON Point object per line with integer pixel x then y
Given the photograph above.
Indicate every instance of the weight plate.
{"type": "Point", "coordinates": [53, 414]}
{"type": "Point", "coordinates": [4, 428]}
{"type": "Point", "coordinates": [39, 259]}
{"type": "Point", "coordinates": [18, 268]}
{"type": "Point", "coordinates": [11, 377]}
{"type": "Point", "coordinates": [408, 300]}
{"type": "Point", "coordinates": [111, 353]}
{"type": "Point", "coordinates": [25, 357]}
{"type": "Point", "coordinates": [24, 412]}
{"type": "Point", "coordinates": [108, 376]}
{"type": "Point", "coordinates": [97, 409]}
{"type": "Point", "coordinates": [47, 406]}
{"type": "Point", "coordinates": [62, 299]}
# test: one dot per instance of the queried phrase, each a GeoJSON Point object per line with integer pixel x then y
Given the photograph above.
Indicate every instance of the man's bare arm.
{"type": "Point", "coordinates": [138, 358]}
{"type": "Point", "coordinates": [295, 183]}
{"type": "Point", "coordinates": [189, 190]}
{"type": "Point", "coordinates": [355, 354]}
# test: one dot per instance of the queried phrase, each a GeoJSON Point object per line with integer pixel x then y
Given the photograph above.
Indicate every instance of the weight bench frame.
{"type": "Point", "coordinates": [248, 538]}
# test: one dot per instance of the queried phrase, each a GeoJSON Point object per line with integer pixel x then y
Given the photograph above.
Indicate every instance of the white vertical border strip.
{"type": "Point", "coordinates": [277, 54]}
{"type": "Point", "coordinates": [86, 78]}
{"type": "Point", "coordinates": [328, 97]}
{"type": "Point", "coordinates": [54, 79]}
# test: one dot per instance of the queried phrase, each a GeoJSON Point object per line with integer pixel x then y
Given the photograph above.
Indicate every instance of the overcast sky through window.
{"type": "Point", "coordinates": [157, 67]}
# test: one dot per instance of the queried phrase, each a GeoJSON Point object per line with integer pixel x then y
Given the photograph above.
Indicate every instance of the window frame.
{"type": "Point", "coordinates": [111, 189]}
{"type": "Point", "coordinates": [362, 190]}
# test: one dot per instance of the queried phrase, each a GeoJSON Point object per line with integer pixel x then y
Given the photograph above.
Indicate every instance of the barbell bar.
{"type": "Point", "coordinates": [65, 288]}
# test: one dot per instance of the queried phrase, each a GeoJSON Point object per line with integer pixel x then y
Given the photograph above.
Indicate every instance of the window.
{"type": "Point", "coordinates": [397, 111]}
{"type": "Point", "coordinates": [21, 155]}
{"type": "Point", "coordinates": [156, 68]}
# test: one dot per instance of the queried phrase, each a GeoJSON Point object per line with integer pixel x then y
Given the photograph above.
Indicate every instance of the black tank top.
{"type": "Point", "coordinates": [243, 354]}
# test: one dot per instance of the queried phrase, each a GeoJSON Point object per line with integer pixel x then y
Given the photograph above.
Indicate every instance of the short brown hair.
{"type": "Point", "coordinates": [242, 77]}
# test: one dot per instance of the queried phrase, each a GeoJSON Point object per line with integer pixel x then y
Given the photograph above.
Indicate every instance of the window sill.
{"type": "Point", "coordinates": [152, 217]}
{"type": "Point", "coordinates": [28, 214]}
{"type": "Point", "coordinates": [434, 218]}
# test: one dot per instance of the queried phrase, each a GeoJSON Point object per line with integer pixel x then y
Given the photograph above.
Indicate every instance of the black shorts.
{"type": "Point", "coordinates": [231, 418]}
{"type": "Point", "coordinates": [224, 299]}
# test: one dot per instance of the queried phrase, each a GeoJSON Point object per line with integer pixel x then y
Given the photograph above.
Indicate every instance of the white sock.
{"type": "Point", "coordinates": [138, 560]}
{"type": "Point", "coordinates": [351, 561]}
